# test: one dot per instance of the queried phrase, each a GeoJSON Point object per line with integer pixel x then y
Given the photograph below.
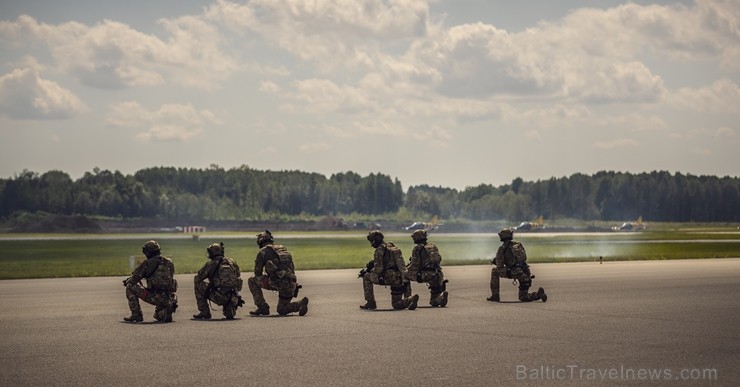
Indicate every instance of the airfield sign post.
{"type": "Point", "coordinates": [135, 260]}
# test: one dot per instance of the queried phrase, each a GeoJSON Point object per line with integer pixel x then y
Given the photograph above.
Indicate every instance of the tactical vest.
{"type": "Point", "coordinates": [431, 258]}
{"type": "Point", "coordinates": [226, 275]}
{"type": "Point", "coordinates": [281, 267]}
{"type": "Point", "coordinates": [161, 278]}
{"type": "Point", "coordinates": [393, 258]}
{"type": "Point", "coordinates": [517, 253]}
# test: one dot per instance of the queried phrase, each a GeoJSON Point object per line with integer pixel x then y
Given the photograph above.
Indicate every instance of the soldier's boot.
{"type": "Point", "coordinates": [135, 317]}
{"type": "Point", "coordinates": [303, 306]}
{"type": "Point", "coordinates": [229, 311]}
{"type": "Point", "coordinates": [262, 310]}
{"type": "Point", "coordinates": [435, 298]}
{"type": "Point", "coordinates": [163, 315]}
{"type": "Point", "coordinates": [398, 302]}
{"type": "Point", "coordinates": [443, 301]}
{"type": "Point", "coordinates": [369, 305]}
{"type": "Point", "coordinates": [413, 301]}
{"type": "Point", "coordinates": [541, 295]}
{"type": "Point", "coordinates": [202, 315]}
{"type": "Point", "coordinates": [494, 298]}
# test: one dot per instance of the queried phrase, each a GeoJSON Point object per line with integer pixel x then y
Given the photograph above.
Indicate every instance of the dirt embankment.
{"type": "Point", "coordinates": [57, 223]}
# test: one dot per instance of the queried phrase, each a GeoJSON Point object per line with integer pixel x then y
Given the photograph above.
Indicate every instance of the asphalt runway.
{"type": "Point", "coordinates": [617, 323]}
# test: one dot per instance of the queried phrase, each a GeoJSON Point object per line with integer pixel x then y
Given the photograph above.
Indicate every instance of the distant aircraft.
{"type": "Point", "coordinates": [429, 226]}
{"type": "Point", "coordinates": [631, 226]}
{"type": "Point", "coordinates": [537, 224]}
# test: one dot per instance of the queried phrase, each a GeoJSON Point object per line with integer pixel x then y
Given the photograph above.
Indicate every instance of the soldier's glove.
{"type": "Point", "coordinates": [419, 278]}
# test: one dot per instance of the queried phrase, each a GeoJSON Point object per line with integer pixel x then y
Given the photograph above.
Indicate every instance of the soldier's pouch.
{"type": "Point", "coordinates": [239, 283]}
{"type": "Point", "coordinates": [173, 286]}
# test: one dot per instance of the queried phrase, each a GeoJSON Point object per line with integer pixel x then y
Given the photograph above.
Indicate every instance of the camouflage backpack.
{"type": "Point", "coordinates": [519, 254]}
{"type": "Point", "coordinates": [162, 278]}
{"type": "Point", "coordinates": [393, 257]}
{"type": "Point", "coordinates": [283, 266]}
{"type": "Point", "coordinates": [433, 257]}
{"type": "Point", "coordinates": [226, 274]}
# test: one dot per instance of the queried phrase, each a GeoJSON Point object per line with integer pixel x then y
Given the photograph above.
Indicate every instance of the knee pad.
{"type": "Point", "coordinates": [436, 289]}
{"type": "Point", "coordinates": [397, 290]}
{"type": "Point", "coordinates": [524, 285]}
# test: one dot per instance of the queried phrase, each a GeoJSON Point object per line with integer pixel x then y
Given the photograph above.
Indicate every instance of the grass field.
{"type": "Point", "coordinates": [43, 256]}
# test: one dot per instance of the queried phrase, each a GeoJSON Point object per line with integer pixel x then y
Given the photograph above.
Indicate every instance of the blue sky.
{"type": "Point", "coordinates": [452, 93]}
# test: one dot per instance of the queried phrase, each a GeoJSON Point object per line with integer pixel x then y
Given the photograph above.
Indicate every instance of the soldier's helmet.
{"type": "Point", "coordinates": [506, 234]}
{"type": "Point", "coordinates": [151, 249]}
{"type": "Point", "coordinates": [215, 250]}
{"type": "Point", "coordinates": [264, 238]}
{"type": "Point", "coordinates": [375, 237]}
{"type": "Point", "coordinates": [419, 236]}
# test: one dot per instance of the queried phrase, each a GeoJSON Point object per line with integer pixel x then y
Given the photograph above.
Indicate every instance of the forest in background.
{"type": "Point", "coordinates": [244, 193]}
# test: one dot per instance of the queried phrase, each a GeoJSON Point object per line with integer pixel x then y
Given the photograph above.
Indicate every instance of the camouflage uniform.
{"type": "Point", "coordinates": [158, 271]}
{"type": "Point", "coordinates": [424, 267]}
{"type": "Point", "coordinates": [511, 262]}
{"type": "Point", "coordinates": [271, 274]}
{"type": "Point", "coordinates": [386, 271]}
{"type": "Point", "coordinates": [214, 290]}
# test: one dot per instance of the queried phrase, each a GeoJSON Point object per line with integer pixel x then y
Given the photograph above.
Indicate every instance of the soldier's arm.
{"type": "Point", "coordinates": [171, 266]}
{"type": "Point", "coordinates": [415, 260]}
{"type": "Point", "coordinates": [499, 259]}
{"type": "Point", "coordinates": [140, 271]}
{"type": "Point", "coordinates": [202, 273]}
{"type": "Point", "coordinates": [236, 266]}
{"type": "Point", "coordinates": [378, 259]}
{"type": "Point", "coordinates": [259, 263]}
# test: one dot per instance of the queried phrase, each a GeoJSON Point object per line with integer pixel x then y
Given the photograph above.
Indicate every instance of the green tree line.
{"type": "Point", "coordinates": [244, 193]}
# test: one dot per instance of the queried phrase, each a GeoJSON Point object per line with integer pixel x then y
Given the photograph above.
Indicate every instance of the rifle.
{"type": "Point", "coordinates": [125, 282]}
{"type": "Point", "coordinates": [370, 265]}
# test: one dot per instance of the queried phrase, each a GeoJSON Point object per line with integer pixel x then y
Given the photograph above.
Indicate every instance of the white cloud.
{"type": "Point", "coordinates": [725, 132]}
{"type": "Point", "coordinates": [171, 122]}
{"type": "Point", "coordinates": [632, 122]}
{"type": "Point", "coordinates": [24, 94]}
{"type": "Point", "coordinates": [114, 55]}
{"type": "Point", "coordinates": [617, 143]}
{"type": "Point", "coordinates": [269, 87]}
{"type": "Point", "coordinates": [314, 147]}
{"type": "Point", "coordinates": [533, 135]}
{"type": "Point", "coordinates": [323, 95]}
{"type": "Point", "coordinates": [325, 30]}
{"type": "Point", "coordinates": [381, 128]}
{"type": "Point", "coordinates": [333, 131]}
{"type": "Point", "coordinates": [721, 96]}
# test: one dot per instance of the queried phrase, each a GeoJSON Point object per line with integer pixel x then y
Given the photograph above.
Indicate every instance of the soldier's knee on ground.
{"type": "Point", "coordinates": [397, 297]}
{"type": "Point", "coordinates": [436, 292]}
{"type": "Point", "coordinates": [284, 305]}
